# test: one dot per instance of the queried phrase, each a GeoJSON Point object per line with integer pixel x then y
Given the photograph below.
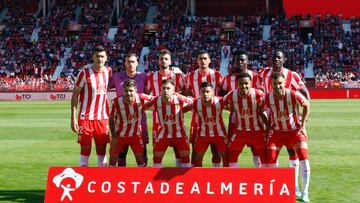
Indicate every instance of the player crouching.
{"type": "Point", "coordinates": [125, 123]}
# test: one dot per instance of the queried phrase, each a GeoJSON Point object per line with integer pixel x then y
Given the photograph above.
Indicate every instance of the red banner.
{"type": "Point", "coordinates": [86, 184]}
{"type": "Point", "coordinates": [334, 93]}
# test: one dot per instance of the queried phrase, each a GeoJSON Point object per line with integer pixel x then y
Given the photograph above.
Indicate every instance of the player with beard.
{"type": "Point", "coordinates": [193, 82]}
{"type": "Point", "coordinates": [288, 128]}
{"type": "Point", "coordinates": [293, 82]}
{"type": "Point", "coordinates": [116, 81]}
{"type": "Point", "coordinates": [153, 86]}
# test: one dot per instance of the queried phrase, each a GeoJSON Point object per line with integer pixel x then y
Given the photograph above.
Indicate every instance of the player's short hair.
{"type": "Point", "coordinates": [201, 52]}
{"type": "Point", "coordinates": [132, 54]}
{"type": "Point", "coordinates": [164, 51]}
{"type": "Point", "coordinates": [277, 75]}
{"type": "Point", "coordinates": [243, 75]}
{"type": "Point", "coordinates": [241, 52]}
{"type": "Point", "coordinates": [98, 49]}
{"type": "Point", "coordinates": [276, 51]}
{"type": "Point", "coordinates": [168, 81]}
{"type": "Point", "coordinates": [206, 84]}
{"type": "Point", "coordinates": [129, 83]}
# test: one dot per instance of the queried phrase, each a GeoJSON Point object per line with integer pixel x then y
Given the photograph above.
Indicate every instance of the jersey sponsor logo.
{"type": "Point", "coordinates": [100, 89]}
{"type": "Point", "coordinates": [132, 118]}
{"type": "Point", "coordinates": [282, 115]}
{"type": "Point", "coordinates": [245, 113]}
{"type": "Point", "coordinates": [169, 118]}
{"type": "Point", "coordinates": [210, 120]}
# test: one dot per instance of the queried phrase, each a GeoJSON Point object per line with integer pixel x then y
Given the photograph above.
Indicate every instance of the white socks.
{"type": "Point", "coordinates": [257, 162]}
{"type": "Point", "coordinates": [178, 163]}
{"type": "Point", "coordinates": [157, 165]}
{"type": "Point", "coordinates": [102, 162]}
{"type": "Point", "coordinates": [84, 160]}
{"type": "Point", "coordinates": [305, 175]}
{"type": "Point", "coordinates": [216, 165]}
{"type": "Point", "coordinates": [186, 165]}
{"type": "Point", "coordinates": [234, 165]}
{"type": "Point", "coordinates": [295, 164]}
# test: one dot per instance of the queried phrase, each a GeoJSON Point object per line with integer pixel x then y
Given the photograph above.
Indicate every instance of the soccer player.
{"type": "Point", "coordinates": [248, 125]}
{"type": "Point", "coordinates": [153, 86]}
{"type": "Point", "coordinates": [116, 81]}
{"type": "Point", "coordinates": [92, 122]}
{"type": "Point", "coordinates": [170, 109]}
{"type": "Point", "coordinates": [211, 126]}
{"type": "Point", "coordinates": [193, 82]}
{"type": "Point", "coordinates": [293, 82]}
{"type": "Point", "coordinates": [230, 83]}
{"type": "Point", "coordinates": [125, 123]}
{"type": "Point", "coordinates": [288, 127]}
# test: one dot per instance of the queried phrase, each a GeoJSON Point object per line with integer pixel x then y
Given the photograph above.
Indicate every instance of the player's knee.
{"type": "Point", "coordinates": [85, 150]}
{"type": "Point", "coordinates": [101, 150]}
{"type": "Point", "coordinates": [302, 153]}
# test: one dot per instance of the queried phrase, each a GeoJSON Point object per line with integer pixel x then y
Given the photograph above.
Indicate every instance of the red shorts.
{"type": "Point", "coordinates": [193, 128]}
{"type": "Point", "coordinates": [97, 129]}
{"type": "Point", "coordinates": [286, 138]}
{"type": "Point", "coordinates": [180, 144]}
{"type": "Point", "coordinates": [202, 143]}
{"type": "Point", "coordinates": [135, 142]}
{"type": "Point", "coordinates": [249, 138]}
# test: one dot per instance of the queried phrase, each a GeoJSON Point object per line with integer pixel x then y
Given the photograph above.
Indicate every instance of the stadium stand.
{"type": "Point", "coordinates": [333, 52]}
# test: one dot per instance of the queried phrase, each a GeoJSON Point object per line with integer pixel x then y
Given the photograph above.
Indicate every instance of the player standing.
{"type": "Point", "coordinates": [230, 84]}
{"type": "Point", "coordinates": [153, 86]}
{"type": "Point", "coordinates": [116, 81]}
{"type": "Point", "coordinates": [193, 83]}
{"type": "Point", "coordinates": [288, 127]}
{"type": "Point", "coordinates": [92, 122]}
{"type": "Point", "coordinates": [293, 82]}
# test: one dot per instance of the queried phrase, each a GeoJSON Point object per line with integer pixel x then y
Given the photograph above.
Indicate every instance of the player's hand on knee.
{"type": "Point", "coordinates": [303, 131]}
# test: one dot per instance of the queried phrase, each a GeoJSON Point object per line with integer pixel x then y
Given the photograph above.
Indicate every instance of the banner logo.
{"type": "Point", "coordinates": [67, 187]}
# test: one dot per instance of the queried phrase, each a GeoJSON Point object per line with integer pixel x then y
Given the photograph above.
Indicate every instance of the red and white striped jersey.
{"type": "Point", "coordinates": [292, 79]}
{"type": "Point", "coordinates": [284, 112]}
{"type": "Point", "coordinates": [230, 84]}
{"type": "Point", "coordinates": [194, 80]}
{"type": "Point", "coordinates": [128, 116]}
{"type": "Point", "coordinates": [211, 123]}
{"type": "Point", "coordinates": [246, 109]}
{"type": "Point", "coordinates": [153, 82]}
{"type": "Point", "coordinates": [170, 116]}
{"type": "Point", "coordinates": [93, 97]}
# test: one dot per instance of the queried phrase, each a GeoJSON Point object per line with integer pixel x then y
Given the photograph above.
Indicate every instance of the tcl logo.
{"type": "Point", "coordinates": [22, 97]}
{"type": "Point", "coordinates": [57, 97]}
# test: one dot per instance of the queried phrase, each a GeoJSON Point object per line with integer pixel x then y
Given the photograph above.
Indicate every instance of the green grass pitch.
{"type": "Point", "coordinates": [35, 136]}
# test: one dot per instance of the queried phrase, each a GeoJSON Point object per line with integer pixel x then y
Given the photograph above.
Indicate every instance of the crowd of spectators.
{"type": "Point", "coordinates": [336, 51]}
{"type": "Point", "coordinates": [24, 63]}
